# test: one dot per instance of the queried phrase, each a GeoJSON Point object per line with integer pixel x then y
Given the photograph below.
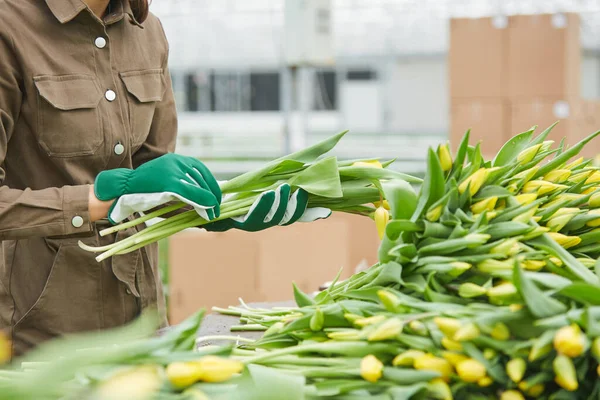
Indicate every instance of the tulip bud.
{"type": "Point", "coordinates": [515, 307]}
{"type": "Point", "coordinates": [539, 350]}
{"type": "Point", "coordinates": [474, 182]}
{"type": "Point", "coordinates": [489, 353]}
{"type": "Point", "coordinates": [448, 326]}
{"type": "Point", "coordinates": [527, 155]}
{"type": "Point", "coordinates": [348, 334]}
{"type": "Point", "coordinates": [469, 290]}
{"type": "Point", "coordinates": [375, 319]}
{"type": "Point", "coordinates": [445, 158]}
{"type": "Point", "coordinates": [594, 201]}
{"type": "Point", "coordinates": [590, 190]}
{"type": "Point", "coordinates": [579, 176]}
{"type": "Point", "coordinates": [485, 381]}
{"type": "Point", "coordinates": [386, 331]}
{"type": "Point", "coordinates": [492, 265]}
{"type": "Point", "coordinates": [542, 187]}
{"type": "Point", "coordinates": [390, 301]}
{"type": "Point", "coordinates": [503, 289]}
{"type": "Point", "coordinates": [515, 369]}
{"type": "Point", "coordinates": [512, 395]}
{"type": "Point", "coordinates": [136, 383]}
{"type": "Point", "coordinates": [458, 268]}
{"type": "Point", "coordinates": [546, 144]}
{"type": "Point", "coordinates": [368, 164]}
{"type": "Point", "coordinates": [538, 231]}
{"type": "Point", "coordinates": [194, 394]}
{"type": "Point", "coordinates": [352, 318]}
{"type": "Point", "coordinates": [470, 371]}
{"type": "Point", "coordinates": [533, 265]}
{"type": "Point", "coordinates": [317, 320]}
{"type": "Point", "coordinates": [371, 369]}
{"type": "Point", "coordinates": [526, 216]}
{"type": "Point", "coordinates": [564, 240]}
{"type": "Point", "coordinates": [407, 358]}
{"type": "Point", "coordinates": [574, 163]}
{"type": "Point", "coordinates": [558, 175]}
{"type": "Point", "coordinates": [595, 222]}
{"type": "Point", "coordinates": [383, 204]}
{"type": "Point", "coordinates": [593, 178]}
{"type": "Point", "coordinates": [570, 341]}
{"type": "Point", "coordinates": [526, 175]}
{"type": "Point", "coordinates": [467, 332]}
{"type": "Point", "coordinates": [557, 223]}
{"type": "Point", "coordinates": [536, 390]}
{"type": "Point", "coordinates": [454, 358]}
{"type": "Point", "coordinates": [596, 348]}
{"type": "Point", "coordinates": [418, 328]}
{"type": "Point", "coordinates": [450, 344]}
{"type": "Point", "coordinates": [565, 374]}
{"type": "Point", "coordinates": [429, 362]}
{"type": "Point", "coordinates": [183, 374]}
{"type": "Point", "coordinates": [434, 213]}
{"type": "Point", "coordinates": [526, 198]}
{"type": "Point", "coordinates": [487, 204]}
{"type": "Point", "coordinates": [274, 329]}
{"type": "Point", "coordinates": [587, 262]}
{"type": "Point", "coordinates": [382, 217]}
{"type": "Point", "coordinates": [508, 247]}
{"type": "Point", "coordinates": [216, 369]}
{"type": "Point", "coordinates": [439, 389]}
{"type": "Point", "coordinates": [556, 261]}
{"type": "Point", "coordinates": [500, 331]}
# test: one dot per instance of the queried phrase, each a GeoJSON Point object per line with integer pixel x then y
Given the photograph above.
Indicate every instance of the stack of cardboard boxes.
{"type": "Point", "coordinates": [215, 269]}
{"type": "Point", "coordinates": [510, 73]}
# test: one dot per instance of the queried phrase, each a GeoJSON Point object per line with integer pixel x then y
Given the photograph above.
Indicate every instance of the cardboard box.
{"type": "Point", "coordinates": [477, 58]}
{"type": "Point", "coordinates": [488, 120]}
{"type": "Point", "coordinates": [578, 118]}
{"type": "Point", "coordinates": [544, 55]}
{"type": "Point", "coordinates": [215, 269]}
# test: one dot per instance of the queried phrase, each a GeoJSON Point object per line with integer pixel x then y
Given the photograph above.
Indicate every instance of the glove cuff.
{"type": "Point", "coordinates": [112, 183]}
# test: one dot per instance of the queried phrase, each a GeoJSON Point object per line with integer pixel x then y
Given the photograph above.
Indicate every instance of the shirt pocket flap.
{"type": "Point", "coordinates": [146, 86]}
{"type": "Point", "coordinates": [69, 92]}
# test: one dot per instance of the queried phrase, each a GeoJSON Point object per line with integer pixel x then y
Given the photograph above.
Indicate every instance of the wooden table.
{"type": "Point", "coordinates": [217, 324]}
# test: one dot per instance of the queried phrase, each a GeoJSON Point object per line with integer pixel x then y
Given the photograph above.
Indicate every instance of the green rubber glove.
{"type": "Point", "coordinates": [167, 178]}
{"type": "Point", "coordinates": [277, 207]}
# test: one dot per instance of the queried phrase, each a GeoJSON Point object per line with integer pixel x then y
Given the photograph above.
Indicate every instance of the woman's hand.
{"type": "Point", "coordinates": [98, 209]}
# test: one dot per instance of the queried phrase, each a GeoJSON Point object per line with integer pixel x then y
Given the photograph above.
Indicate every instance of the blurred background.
{"type": "Point", "coordinates": [256, 79]}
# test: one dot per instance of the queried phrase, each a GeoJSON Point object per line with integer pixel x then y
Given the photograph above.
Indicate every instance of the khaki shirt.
{"type": "Point", "coordinates": [78, 95]}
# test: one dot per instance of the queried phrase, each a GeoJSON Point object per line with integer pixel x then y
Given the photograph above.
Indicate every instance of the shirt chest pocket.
{"type": "Point", "coordinates": [69, 120]}
{"type": "Point", "coordinates": [145, 88]}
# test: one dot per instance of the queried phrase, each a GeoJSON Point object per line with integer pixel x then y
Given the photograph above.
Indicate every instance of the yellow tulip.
{"type": "Point", "coordinates": [500, 331]}
{"type": "Point", "coordinates": [371, 369]}
{"type": "Point", "coordinates": [512, 395]}
{"type": "Point", "coordinates": [386, 331]}
{"type": "Point", "coordinates": [474, 182]}
{"type": "Point", "coordinates": [557, 175]}
{"type": "Point", "coordinates": [445, 158]}
{"type": "Point", "coordinates": [466, 333]}
{"type": "Point", "coordinates": [454, 358]}
{"type": "Point", "coordinates": [407, 358]}
{"type": "Point", "coordinates": [515, 369]}
{"type": "Point", "coordinates": [485, 204]}
{"type": "Point", "coordinates": [448, 326]}
{"type": "Point", "coordinates": [470, 371]}
{"type": "Point", "coordinates": [434, 213]}
{"type": "Point", "coordinates": [526, 198]}
{"type": "Point", "coordinates": [450, 344]}
{"type": "Point", "coordinates": [570, 341]}
{"type": "Point", "coordinates": [565, 374]}
{"type": "Point", "coordinates": [564, 240]}
{"type": "Point", "coordinates": [368, 164]}
{"type": "Point", "coordinates": [382, 217]}
{"type": "Point", "coordinates": [528, 154]}
{"type": "Point", "coordinates": [440, 389]}
{"type": "Point", "coordinates": [429, 362]}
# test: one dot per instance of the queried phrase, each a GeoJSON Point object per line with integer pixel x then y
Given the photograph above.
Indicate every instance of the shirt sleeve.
{"type": "Point", "coordinates": [163, 131]}
{"type": "Point", "coordinates": [29, 213]}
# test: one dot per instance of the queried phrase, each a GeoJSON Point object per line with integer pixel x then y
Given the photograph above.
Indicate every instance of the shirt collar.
{"type": "Point", "coordinates": [66, 10]}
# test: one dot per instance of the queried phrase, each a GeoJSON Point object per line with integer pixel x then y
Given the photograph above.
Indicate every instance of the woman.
{"type": "Point", "coordinates": [87, 122]}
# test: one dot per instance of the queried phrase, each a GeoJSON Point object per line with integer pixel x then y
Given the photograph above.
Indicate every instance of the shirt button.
{"type": "Point", "coordinates": [119, 149]}
{"type": "Point", "coordinates": [77, 221]}
{"type": "Point", "coordinates": [100, 42]}
{"type": "Point", "coordinates": [110, 95]}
